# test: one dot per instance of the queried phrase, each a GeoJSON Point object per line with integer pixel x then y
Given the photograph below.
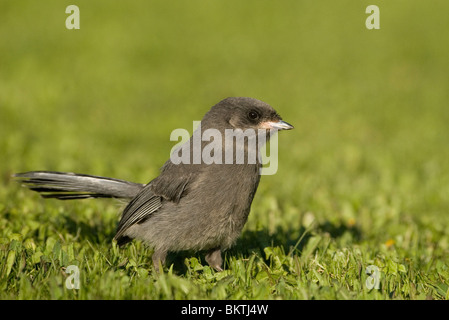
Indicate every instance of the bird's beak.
{"type": "Point", "coordinates": [279, 125]}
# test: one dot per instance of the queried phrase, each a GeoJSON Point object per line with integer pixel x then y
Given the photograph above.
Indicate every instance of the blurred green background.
{"type": "Point", "coordinates": [370, 107]}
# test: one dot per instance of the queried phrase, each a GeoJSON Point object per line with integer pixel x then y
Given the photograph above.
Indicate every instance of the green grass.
{"type": "Point", "coordinates": [363, 179]}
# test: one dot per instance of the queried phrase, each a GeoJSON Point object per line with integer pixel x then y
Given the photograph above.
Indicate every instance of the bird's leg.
{"type": "Point", "coordinates": [159, 259]}
{"type": "Point", "coordinates": [213, 258]}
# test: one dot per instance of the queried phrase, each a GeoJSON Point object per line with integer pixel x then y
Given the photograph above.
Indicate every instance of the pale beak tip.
{"type": "Point", "coordinates": [282, 125]}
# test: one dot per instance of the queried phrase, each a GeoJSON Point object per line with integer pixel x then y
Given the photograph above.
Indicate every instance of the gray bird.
{"type": "Point", "coordinates": [189, 206]}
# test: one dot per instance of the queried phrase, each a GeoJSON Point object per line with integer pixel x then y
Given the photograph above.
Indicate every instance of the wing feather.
{"type": "Point", "coordinates": [171, 185]}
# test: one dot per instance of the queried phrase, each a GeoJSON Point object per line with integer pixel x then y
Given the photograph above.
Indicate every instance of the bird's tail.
{"type": "Point", "coordinates": [67, 186]}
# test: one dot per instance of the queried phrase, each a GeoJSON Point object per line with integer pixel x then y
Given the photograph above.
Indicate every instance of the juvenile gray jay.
{"type": "Point", "coordinates": [189, 206]}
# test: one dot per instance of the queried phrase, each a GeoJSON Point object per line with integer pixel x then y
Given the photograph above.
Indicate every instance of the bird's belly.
{"type": "Point", "coordinates": [211, 216]}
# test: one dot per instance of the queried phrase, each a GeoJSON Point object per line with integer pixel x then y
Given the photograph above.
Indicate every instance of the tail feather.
{"type": "Point", "coordinates": [68, 186]}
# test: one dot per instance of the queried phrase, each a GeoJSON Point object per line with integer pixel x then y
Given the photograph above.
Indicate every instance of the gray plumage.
{"type": "Point", "coordinates": [188, 206]}
{"type": "Point", "coordinates": [68, 186]}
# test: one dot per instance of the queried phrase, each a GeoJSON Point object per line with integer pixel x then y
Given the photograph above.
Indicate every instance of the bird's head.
{"type": "Point", "coordinates": [244, 113]}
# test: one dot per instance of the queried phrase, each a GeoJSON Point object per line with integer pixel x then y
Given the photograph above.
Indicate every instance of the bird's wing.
{"type": "Point", "coordinates": [173, 182]}
{"type": "Point", "coordinates": [169, 186]}
{"type": "Point", "coordinates": [140, 207]}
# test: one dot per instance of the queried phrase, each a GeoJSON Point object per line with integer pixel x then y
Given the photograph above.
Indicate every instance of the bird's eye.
{"type": "Point", "coordinates": [253, 115]}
